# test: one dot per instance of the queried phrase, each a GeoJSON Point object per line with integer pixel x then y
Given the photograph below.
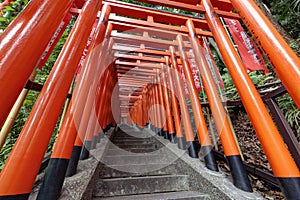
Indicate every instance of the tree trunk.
{"type": "Point", "coordinates": [279, 28]}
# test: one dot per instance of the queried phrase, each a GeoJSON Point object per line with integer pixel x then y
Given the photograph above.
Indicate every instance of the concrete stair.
{"type": "Point", "coordinates": [183, 195]}
{"type": "Point", "coordinates": [135, 166]}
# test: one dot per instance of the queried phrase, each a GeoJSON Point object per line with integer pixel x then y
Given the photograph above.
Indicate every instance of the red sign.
{"type": "Point", "coordinates": [249, 52]}
{"type": "Point", "coordinates": [195, 72]}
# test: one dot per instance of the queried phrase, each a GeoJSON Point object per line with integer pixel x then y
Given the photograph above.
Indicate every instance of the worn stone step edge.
{"type": "Point", "coordinates": [140, 185]}
{"type": "Point", "coordinates": [183, 195]}
{"type": "Point", "coordinates": [133, 170]}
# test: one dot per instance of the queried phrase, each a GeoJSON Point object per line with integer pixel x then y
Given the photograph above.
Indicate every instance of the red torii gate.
{"type": "Point", "coordinates": [16, 66]}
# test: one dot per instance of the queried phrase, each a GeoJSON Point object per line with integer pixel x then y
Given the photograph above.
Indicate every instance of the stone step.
{"type": "Point", "coordinates": [184, 195]}
{"type": "Point", "coordinates": [133, 134]}
{"type": "Point", "coordinates": [132, 142]}
{"type": "Point", "coordinates": [133, 138]}
{"type": "Point", "coordinates": [135, 159]}
{"type": "Point", "coordinates": [140, 185]}
{"type": "Point", "coordinates": [136, 170]}
{"type": "Point", "coordinates": [118, 151]}
{"type": "Point", "coordinates": [133, 146]}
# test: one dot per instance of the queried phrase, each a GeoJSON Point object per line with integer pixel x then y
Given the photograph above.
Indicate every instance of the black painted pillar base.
{"type": "Point", "coordinates": [85, 151]}
{"type": "Point", "coordinates": [152, 127]}
{"type": "Point", "coordinates": [161, 132]}
{"type": "Point", "coordinates": [147, 125]}
{"type": "Point", "coordinates": [181, 143]}
{"type": "Point", "coordinates": [238, 173]}
{"type": "Point", "coordinates": [15, 197]}
{"type": "Point", "coordinates": [72, 166]}
{"type": "Point", "coordinates": [140, 128]}
{"type": "Point", "coordinates": [209, 158]}
{"type": "Point", "coordinates": [172, 138]}
{"type": "Point", "coordinates": [106, 128]}
{"type": "Point", "coordinates": [192, 149]}
{"type": "Point", "coordinates": [157, 130]}
{"type": "Point", "coordinates": [94, 142]}
{"type": "Point", "coordinates": [53, 179]}
{"type": "Point", "coordinates": [117, 128]}
{"type": "Point", "coordinates": [166, 135]}
{"type": "Point", "coordinates": [290, 187]}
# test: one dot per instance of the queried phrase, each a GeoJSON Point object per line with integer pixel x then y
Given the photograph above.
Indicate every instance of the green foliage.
{"type": "Point", "coordinates": [10, 12]}
{"type": "Point", "coordinates": [18, 125]}
{"type": "Point", "coordinates": [285, 102]}
{"type": "Point", "coordinates": [257, 77]}
{"type": "Point", "coordinates": [287, 13]}
{"type": "Point", "coordinates": [291, 113]}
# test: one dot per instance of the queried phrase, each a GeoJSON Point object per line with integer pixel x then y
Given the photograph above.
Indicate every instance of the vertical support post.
{"type": "Point", "coordinates": [144, 106]}
{"type": "Point", "coordinates": [286, 62]}
{"type": "Point", "coordinates": [230, 147]}
{"type": "Point", "coordinates": [82, 89]}
{"type": "Point", "coordinates": [100, 106]}
{"type": "Point", "coordinates": [62, 150]}
{"type": "Point", "coordinates": [282, 163]}
{"type": "Point", "coordinates": [16, 180]}
{"type": "Point", "coordinates": [157, 110]}
{"type": "Point", "coordinates": [175, 105]}
{"type": "Point", "coordinates": [165, 132]}
{"type": "Point", "coordinates": [87, 144]}
{"type": "Point", "coordinates": [16, 65]}
{"type": "Point", "coordinates": [202, 130]}
{"type": "Point", "coordinates": [167, 104]}
{"type": "Point", "coordinates": [154, 124]}
{"type": "Point", "coordinates": [189, 135]}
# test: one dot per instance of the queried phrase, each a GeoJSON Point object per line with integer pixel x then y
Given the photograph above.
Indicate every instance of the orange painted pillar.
{"type": "Point", "coordinates": [167, 105]}
{"type": "Point", "coordinates": [153, 115]}
{"type": "Point", "coordinates": [202, 130]}
{"type": "Point", "coordinates": [174, 102]}
{"type": "Point", "coordinates": [166, 110]}
{"type": "Point", "coordinates": [230, 147]}
{"type": "Point", "coordinates": [108, 115]}
{"type": "Point", "coordinates": [189, 134]}
{"type": "Point", "coordinates": [140, 113]}
{"type": "Point", "coordinates": [104, 76]}
{"type": "Point", "coordinates": [89, 133]}
{"type": "Point", "coordinates": [162, 108]}
{"type": "Point", "coordinates": [102, 90]}
{"type": "Point", "coordinates": [282, 163]}
{"type": "Point", "coordinates": [157, 109]}
{"type": "Point", "coordinates": [156, 115]}
{"type": "Point", "coordinates": [144, 106]}
{"type": "Point", "coordinates": [16, 64]}
{"type": "Point", "coordinates": [21, 168]}
{"type": "Point", "coordinates": [286, 62]}
{"type": "Point", "coordinates": [82, 90]}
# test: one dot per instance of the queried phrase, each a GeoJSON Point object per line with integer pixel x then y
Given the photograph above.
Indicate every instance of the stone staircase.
{"type": "Point", "coordinates": [136, 166]}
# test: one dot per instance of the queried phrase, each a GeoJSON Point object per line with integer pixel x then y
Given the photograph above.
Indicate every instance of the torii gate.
{"type": "Point", "coordinates": [109, 78]}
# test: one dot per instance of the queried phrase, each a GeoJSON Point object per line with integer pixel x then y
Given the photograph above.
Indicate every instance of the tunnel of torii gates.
{"type": "Point", "coordinates": [130, 57]}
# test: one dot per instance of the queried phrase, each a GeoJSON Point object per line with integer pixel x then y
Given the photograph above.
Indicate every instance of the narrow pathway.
{"type": "Point", "coordinates": [137, 166]}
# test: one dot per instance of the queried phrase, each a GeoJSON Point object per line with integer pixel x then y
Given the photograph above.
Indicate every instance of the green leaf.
{"type": "Point", "coordinates": [8, 8]}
